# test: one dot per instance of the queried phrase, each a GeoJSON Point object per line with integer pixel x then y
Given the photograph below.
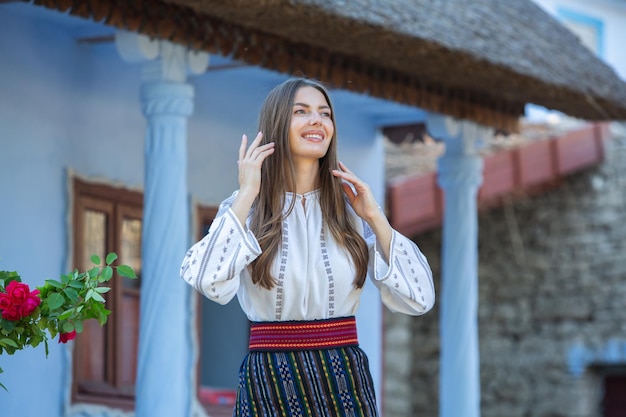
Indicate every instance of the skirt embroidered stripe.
{"type": "Point", "coordinates": [307, 335]}
{"type": "Point", "coordinates": [307, 383]}
{"type": "Point", "coordinates": [302, 391]}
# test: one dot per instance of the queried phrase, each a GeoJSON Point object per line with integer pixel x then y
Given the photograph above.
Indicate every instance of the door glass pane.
{"type": "Point", "coordinates": [94, 236]}
{"type": "Point", "coordinates": [128, 332]}
{"type": "Point", "coordinates": [92, 349]}
{"type": "Point", "coordinates": [131, 249]}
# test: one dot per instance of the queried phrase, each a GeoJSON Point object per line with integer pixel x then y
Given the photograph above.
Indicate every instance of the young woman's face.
{"type": "Point", "coordinates": [311, 128]}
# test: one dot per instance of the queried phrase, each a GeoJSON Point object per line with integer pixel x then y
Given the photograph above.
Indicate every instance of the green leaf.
{"type": "Point", "coordinates": [55, 300]}
{"type": "Point", "coordinates": [8, 342]}
{"type": "Point", "coordinates": [68, 327]}
{"type": "Point", "coordinates": [102, 290]}
{"type": "Point", "coordinates": [126, 271]}
{"type": "Point", "coordinates": [93, 272]}
{"type": "Point", "coordinates": [7, 325]}
{"type": "Point", "coordinates": [97, 297]}
{"type": "Point", "coordinates": [107, 273]}
{"type": "Point", "coordinates": [89, 294]}
{"type": "Point", "coordinates": [54, 283]}
{"type": "Point", "coordinates": [65, 279]}
{"type": "Point", "coordinates": [111, 257]}
{"type": "Point", "coordinates": [42, 324]}
{"type": "Point", "coordinates": [35, 341]}
{"type": "Point", "coordinates": [102, 318]}
{"type": "Point", "coordinates": [76, 284]}
{"type": "Point", "coordinates": [72, 294]}
{"type": "Point", "coordinates": [78, 326]}
{"type": "Point", "coordinates": [66, 314]}
{"type": "Point", "coordinates": [95, 259]}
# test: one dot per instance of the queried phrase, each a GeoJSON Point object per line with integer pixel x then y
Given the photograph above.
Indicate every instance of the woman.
{"type": "Point", "coordinates": [295, 243]}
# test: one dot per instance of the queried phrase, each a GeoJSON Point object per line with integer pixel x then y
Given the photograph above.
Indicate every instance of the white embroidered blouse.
{"type": "Point", "coordinates": [314, 275]}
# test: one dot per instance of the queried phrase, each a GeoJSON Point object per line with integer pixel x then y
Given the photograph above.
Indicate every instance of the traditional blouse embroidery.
{"type": "Point", "coordinates": [281, 275]}
{"type": "Point", "coordinates": [314, 275]}
{"type": "Point", "coordinates": [329, 271]}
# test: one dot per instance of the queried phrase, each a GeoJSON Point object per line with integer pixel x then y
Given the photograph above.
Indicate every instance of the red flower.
{"type": "Point", "coordinates": [66, 337]}
{"type": "Point", "coordinates": [5, 302]}
{"type": "Point", "coordinates": [17, 291]}
{"type": "Point", "coordinates": [18, 301]}
{"type": "Point", "coordinates": [12, 313]}
{"type": "Point", "coordinates": [30, 304]}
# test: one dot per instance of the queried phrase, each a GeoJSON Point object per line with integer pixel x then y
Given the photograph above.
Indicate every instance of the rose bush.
{"type": "Point", "coordinates": [59, 307]}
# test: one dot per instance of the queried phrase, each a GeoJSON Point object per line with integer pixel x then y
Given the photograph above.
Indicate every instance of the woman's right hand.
{"type": "Point", "coordinates": [250, 161]}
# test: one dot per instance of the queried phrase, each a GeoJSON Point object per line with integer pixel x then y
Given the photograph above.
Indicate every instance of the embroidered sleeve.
{"type": "Point", "coordinates": [214, 264]}
{"type": "Point", "coordinates": [406, 282]}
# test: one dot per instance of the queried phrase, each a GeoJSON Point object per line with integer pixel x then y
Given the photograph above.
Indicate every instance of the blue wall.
{"type": "Point", "coordinates": [61, 106]}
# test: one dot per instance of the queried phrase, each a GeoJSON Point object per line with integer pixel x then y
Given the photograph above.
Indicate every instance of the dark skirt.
{"type": "Point", "coordinates": [308, 383]}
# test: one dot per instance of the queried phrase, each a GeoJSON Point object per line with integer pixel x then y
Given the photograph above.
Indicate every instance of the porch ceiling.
{"type": "Point", "coordinates": [481, 60]}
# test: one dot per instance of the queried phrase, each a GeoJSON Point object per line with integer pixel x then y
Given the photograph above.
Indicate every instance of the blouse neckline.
{"type": "Point", "coordinates": [305, 195]}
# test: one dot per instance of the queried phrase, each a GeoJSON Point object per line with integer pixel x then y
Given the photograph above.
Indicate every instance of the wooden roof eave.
{"type": "Point", "coordinates": [495, 100]}
{"type": "Point", "coordinates": [181, 25]}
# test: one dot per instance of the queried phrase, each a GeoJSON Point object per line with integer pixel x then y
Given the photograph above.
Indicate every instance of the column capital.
{"type": "Point", "coordinates": [460, 136]}
{"type": "Point", "coordinates": [162, 60]}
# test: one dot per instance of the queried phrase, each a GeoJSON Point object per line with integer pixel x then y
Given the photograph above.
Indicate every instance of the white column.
{"type": "Point", "coordinates": [165, 366]}
{"type": "Point", "coordinates": [460, 176]}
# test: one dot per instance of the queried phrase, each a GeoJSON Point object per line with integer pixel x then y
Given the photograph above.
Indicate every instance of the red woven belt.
{"type": "Point", "coordinates": [303, 335]}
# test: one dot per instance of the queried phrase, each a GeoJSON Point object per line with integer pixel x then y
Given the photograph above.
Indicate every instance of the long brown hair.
{"type": "Point", "coordinates": [278, 176]}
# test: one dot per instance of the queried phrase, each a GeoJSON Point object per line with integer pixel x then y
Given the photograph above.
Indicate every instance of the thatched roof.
{"type": "Point", "coordinates": [481, 60]}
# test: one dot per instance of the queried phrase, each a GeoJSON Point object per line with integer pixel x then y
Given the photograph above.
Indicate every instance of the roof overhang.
{"type": "Point", "coordinates": [394, 53]}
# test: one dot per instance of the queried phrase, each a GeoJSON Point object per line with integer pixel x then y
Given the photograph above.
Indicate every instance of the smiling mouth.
{"type": "Point", "coordinates": [313, 137]}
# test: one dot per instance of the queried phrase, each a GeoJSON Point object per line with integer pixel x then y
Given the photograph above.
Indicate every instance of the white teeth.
{"type": "Point", "coordinates": [313, 136]}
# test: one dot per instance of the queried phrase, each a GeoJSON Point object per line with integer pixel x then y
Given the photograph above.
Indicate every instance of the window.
{"type": "Point", "coordinates": [108, 219]}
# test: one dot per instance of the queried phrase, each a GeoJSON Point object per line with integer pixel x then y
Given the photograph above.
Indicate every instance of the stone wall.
{"type": "Point", "coordinates": [552, 309]}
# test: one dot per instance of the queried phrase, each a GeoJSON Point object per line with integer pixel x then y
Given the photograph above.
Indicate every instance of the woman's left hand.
{"type": "Point", "coordinates": [361, 198]}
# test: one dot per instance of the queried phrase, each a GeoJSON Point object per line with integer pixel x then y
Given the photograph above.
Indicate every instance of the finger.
{"type": "Point", "coordinates": [255, 144]}
{"type": "Point", "coordinates": [344, 168]}
{"type": "Point", "coordinates": [258, 138]}
{"type": "Point", "coordinates": [242, 147]}
{"type": "Point", "coordinates": [348, 190]}
{"type": "Point", "coordinates": [347, 176]}
{"type": "Point", "coordinates": [261, 150]}
{"type": "Point", "coordinates": [264, 154]}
